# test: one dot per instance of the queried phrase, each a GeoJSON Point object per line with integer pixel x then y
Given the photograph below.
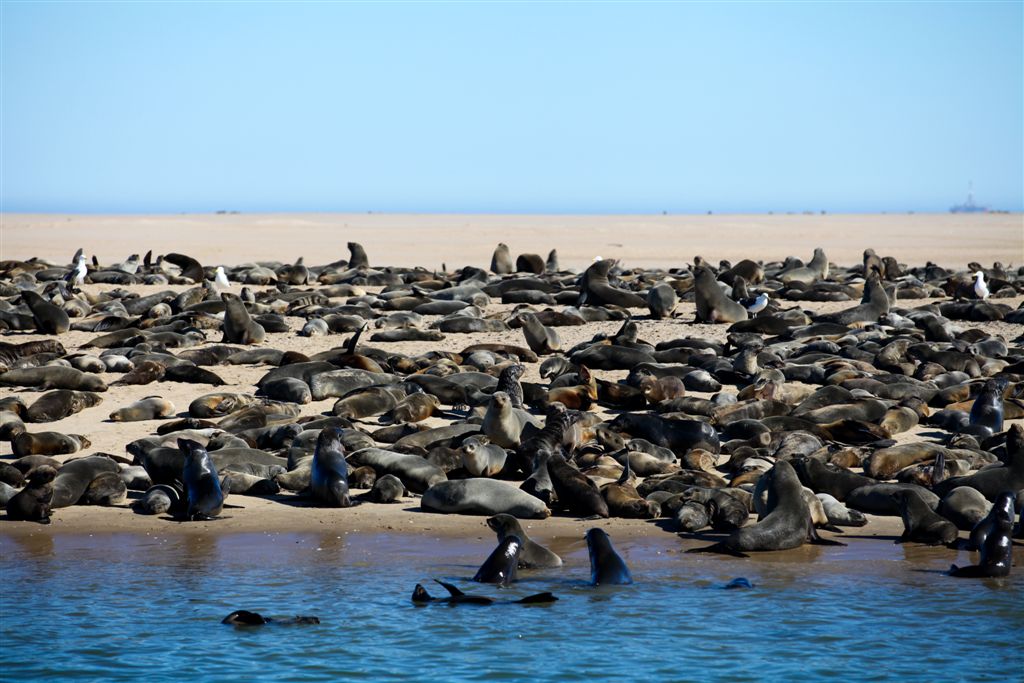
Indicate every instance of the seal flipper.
{"type": "Point", "coordinates": [815, 539]}
{"type": "Point", "coordinates": [452, 590]}
{"type": "Point", "coordinates": [538, 599]}
{"type": "Point", "coordinates": [718, 549]}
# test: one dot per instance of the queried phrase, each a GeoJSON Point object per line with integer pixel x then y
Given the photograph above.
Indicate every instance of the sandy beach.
{"type": "Point", "coordinates": [951, 241]}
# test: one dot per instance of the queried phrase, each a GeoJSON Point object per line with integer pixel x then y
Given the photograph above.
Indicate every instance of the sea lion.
{"type": "Point", "coordinates": [713, 306]}
{"type": "Point", "coordinates": [532, 555]}
{"type": "Point", "coordinates": [482, 497]}
{"type": "Point", "coordinates": [500, 566]}
{"type": "Point", "coordinates": [239, 327]}
{"type": "Point", "coordinates": [606, 567]}
{"type": "Point", "coordinates": [56, 405]}
{"type": "Point", "coordinates": [241, 617]}
{"type": "Point", "coordinates": [328, 481]}
{"type": "Point", "coordinates": [997, 550]}
{"type": "Point", "coordinates": [921, 524]}
{"type": "Point", "coordinates": [204, 498]}
{"type": "Point", "coordinates": [33, 503]}
{"type": "Point", "coordinates": [149, 408]}
{"type": "Point", "coordinates": [421, 597]}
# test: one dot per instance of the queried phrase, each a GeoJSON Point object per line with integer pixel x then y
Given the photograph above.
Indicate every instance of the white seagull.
{"type": "Point", "coordinates": [980, 288]}
{"type": "Point", "coordinates": [77, 275]}
{"type": "Point", "coordinates": [220, 278]}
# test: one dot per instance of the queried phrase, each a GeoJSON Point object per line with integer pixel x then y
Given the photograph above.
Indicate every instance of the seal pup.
{"type": "Point", "coordinates": [241, 617]}
{"type": "Point", "coordinates": [421, 597]}
{"type": "Point", "coordinates": [204, 498]}
{"type": "Point", "coordinates": [500, 566]}
{"type": "Point", "coordinates": [606, 567]}
{"type": "Point", "coordinates": [997, 550]}
{"type": "Point", "coordinates": [328, 481]}
{"type": "Point", "coordinates": [32, 504]}
{"type": "Point", "coordinates": [533, 555]}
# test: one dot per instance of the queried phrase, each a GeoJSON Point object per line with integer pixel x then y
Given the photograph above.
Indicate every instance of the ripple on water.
{"type": "Point", "coordinates": [123, 607]}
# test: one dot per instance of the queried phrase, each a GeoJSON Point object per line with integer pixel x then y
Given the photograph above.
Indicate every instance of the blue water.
{"type": "Point", "coordinates": [131, 607]}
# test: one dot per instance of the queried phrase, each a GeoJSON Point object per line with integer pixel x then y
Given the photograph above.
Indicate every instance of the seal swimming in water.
{"type": "Point", "coordinates": [328, 481]}
{"type": "Point", "coordinates": [997, 550]}
{"type": "Point", "coordinates": [241, 617]}
{"type": "Point", "coordinates": [420, 597]}
{"type": "Point", "coordinates": [500, 566]}
{"type": "Point", "coordinates": [606, 567]}
{"type": "Point", "coordinates": [204, 498]}
{"type": "Point", "coordinates": [533, 555]}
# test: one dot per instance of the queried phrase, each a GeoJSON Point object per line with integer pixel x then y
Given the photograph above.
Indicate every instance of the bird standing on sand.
{"type": "Point", "coordinates": [220, 278]}
{"type": "Point", "coordinates": [980, 288]}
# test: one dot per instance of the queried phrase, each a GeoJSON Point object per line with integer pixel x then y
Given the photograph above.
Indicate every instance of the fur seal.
{"type": "Point", "coordinates": [661, 301]}
{"type": "Point", "coordinates": [107, 489]}
{"type": "Point", "coordinates": [532, 555]}
{"type": "Point", "coordinates": [32, 504]}
{"type": "Point", "coordinates": [241, 617]}
{"type": "Point", "coordinates": [921, 524]}
{"type": "Point", "coordinates": [421, 597]}
{"type": "Point", "coordinates": [329, 476]}
{"type": "Point", "coordinates": [47, 443]}
{"type": "Point", "coordinates": [965, 507]}
{"type": "Point", "coordinates": [987, 410]}
{"type": "Point", "coordinates": [481, 458]}
{"type": "Point", "coordinates": [574, 491]}
{"type": "Point", "coordinates": [501, 260]}
{"type": "Point", "coordinates": [387, 489]}
{"type": "Point", "coordinates": [542, 340]}
{"type": "Point", "coordinates": [997, 550]}
{"type": "Point", "coordinates": [157, 500]}
{"type": "Point", "coordinates": [596, 290]}
{"type": "Point", "coordinates": [501, 565]}
{"type": "Point", "coordinates": [416, 473]}
{"type": "Point", "coordinates": [482, 497]}
{"type": "Point", "coordinates": [713, 306]}
{"type": "Point", "coordinates": [817, 269]}
{"type": "Point", "coordinates": [56, 405]}
{"type": "Point", "coordinates": [606, 567]}
{"type": "Point", "coordinates": [48, 317]}
{"type": "Point", "coordinates": [149, 408]}
{"type": "Point", "coordinates": [239, 327]}
{"type": "Point", "coordinates": [981, 530]}
{"type": "Point", "coordinates": [204, 498]}
{"type": "Point", "coordinates": [787, 524]}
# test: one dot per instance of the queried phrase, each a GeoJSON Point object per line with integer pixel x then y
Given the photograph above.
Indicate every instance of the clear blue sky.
{"type": "Point", "coordinates": [144, 107]}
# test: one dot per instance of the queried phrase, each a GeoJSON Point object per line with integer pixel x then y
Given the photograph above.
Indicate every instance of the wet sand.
{"type": "Point", "coordinates": [233, 242]}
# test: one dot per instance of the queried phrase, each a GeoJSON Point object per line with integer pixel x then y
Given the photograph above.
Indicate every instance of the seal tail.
{"type": "Point", "coordinates": [455, 592]}
{"type": "Point", "coordinates": [538, 599]}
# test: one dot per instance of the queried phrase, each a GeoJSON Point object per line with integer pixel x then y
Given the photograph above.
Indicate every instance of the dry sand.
{"type": "Point", "coordinates": [952, 240]}
{"type": "Point", "coordinates": [391, 240]}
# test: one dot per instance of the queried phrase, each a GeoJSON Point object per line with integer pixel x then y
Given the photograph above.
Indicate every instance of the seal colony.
{"type": "Point", "coordinates": [526, 391]}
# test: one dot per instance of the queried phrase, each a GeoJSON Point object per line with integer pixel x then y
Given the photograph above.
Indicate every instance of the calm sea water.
{"type": "Point", "coordinates": [131, 607]}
